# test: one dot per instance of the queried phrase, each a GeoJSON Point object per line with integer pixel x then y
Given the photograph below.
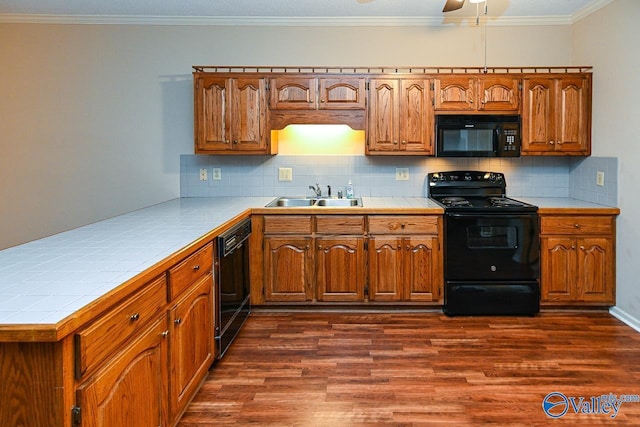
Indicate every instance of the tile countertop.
{"type": "Point", "coordinates": [559, 204]}
{"type": "Point", "coordinates": [47, 280]}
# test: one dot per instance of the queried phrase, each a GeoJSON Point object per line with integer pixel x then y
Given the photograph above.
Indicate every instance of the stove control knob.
{"type": "Point", "coordinates": [467, 177]}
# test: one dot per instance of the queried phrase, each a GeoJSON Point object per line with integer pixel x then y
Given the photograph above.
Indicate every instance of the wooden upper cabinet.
{"type": "Point", "coordinates": [400, 117]}
{"type": "Point", "coordinates": [342, 94]}
{"type": "Point", "coordinates": [556, 115]}
{"type": "Point", "coordinates": [293, 93]}
{"type": "Point", "coordinates": [230, 115]}
{"type": "Point", "coordinates": [322, 93]}
{"type": "Point", "coordinates": [469, 93]}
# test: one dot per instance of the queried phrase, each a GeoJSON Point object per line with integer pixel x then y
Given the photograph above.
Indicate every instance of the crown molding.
{"type": "Point", "coordinates": [588, 10]}
{"type": "Point", "coordinates": [320, 21]}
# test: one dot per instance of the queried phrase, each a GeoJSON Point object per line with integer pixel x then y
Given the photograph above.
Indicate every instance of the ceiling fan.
{"type": "Point", "coordinates": [451, 5]}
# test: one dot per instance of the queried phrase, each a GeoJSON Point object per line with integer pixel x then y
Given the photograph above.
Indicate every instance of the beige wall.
{"type": "Point", "coordinates": [608, 40]}
{"type": "Point", "coordinates": [93, 117]}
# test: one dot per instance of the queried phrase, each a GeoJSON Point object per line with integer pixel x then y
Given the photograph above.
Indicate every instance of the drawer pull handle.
{"type": "Point", "coordinates": [177, 321]}
{"type": "Point", "coordinates": [196, 267]}
{"type": "Point", "coordinates": [165, 334]}
{"type": "Point", "coordinates": [134, 317]}
{"type": "Point", "coordinates": [402, 226]}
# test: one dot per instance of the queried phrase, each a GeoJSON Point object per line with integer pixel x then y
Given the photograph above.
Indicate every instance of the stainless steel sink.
{"type": "Point", "coordinates": [292, 202]}
{"type": "Point", "coordinates": [314, 202]}
{"type": "Point", "coordinates": [339, 202]}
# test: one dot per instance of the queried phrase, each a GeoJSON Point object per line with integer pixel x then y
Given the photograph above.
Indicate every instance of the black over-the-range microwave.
{"type": "Point", "coordinates": [474, 135]}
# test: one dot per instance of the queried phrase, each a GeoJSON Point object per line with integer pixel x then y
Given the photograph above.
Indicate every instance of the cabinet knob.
{"type": "Point", "coordinates": [408, 247]}
{"type": "Point", "coordinates": [402, 226]}
{"type": "Point", "coordinates": [165, 334]}
{"type": "Point", "coordinates": [573, 247]}
{"type": "Point", "coordinates": [319, 247]}
{"type": "Point", "coordinates": [196, 267]}
{"type": "Point", "coordinates": [395, 142]}
{"type": "Point", "coordinates": [134, 317]}
{"type": "Point", "coordinates": [582, 248]}
{"type": "Point", "coordinates": [307, 248]}
{"type": "Point", "coordinates": [399, 247]}
{"type": "Point", "coordinates": [560, 142]}
{"type": "Point", "coordinates": [551, 142]}
{"type": "Point", "coordinates": [404, 142]}
{"type": "Point", "coordinates": [177, 321]}
{"type": "Point", "coordinates": [576, 225]}
{"type": "Point", "coordinates": [235, 141]}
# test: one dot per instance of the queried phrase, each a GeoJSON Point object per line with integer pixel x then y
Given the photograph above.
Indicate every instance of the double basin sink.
{"type": "Point", "coordinates": [298, 202]}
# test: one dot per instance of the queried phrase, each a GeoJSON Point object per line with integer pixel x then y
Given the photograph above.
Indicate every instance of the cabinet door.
{"type": "Point", "coordinates": [192, 352]}
{"type": "Point", "coordinates": [341, 94]}
{"type": "Point", "coordinates": [293, 93]}
{"type": "Point", "coordinates": [538, 115]}
{"type": "Point", "coordinates": [288, 266]}
{"type": "Point", "coordinates": [249, 115]}
{"type": "Point", "coordinates": [416, 116]}
{"type": "Point", "coordinates": [340, 272]}
{"type": "Point", "coordinates": [499, 93]}
{"type": "Point", "coordinates": [420, 282]}
{"type": "Point", "coordinates": [595, 266]}
{"type": "Point", "coordinates": [385, 268]}
{"type": "Point", "coordinates": [211, 114]}
{"type": "Point", "coordinates": [454, 93]}
{"type": "Point", "coordinates": [573, 114]}
{"type": "Point", "coordinates": [382, 134]}
{"type": "Point", "coordinates": [558, 268]}
{"type": "Point", "coordinates": [132, 388]}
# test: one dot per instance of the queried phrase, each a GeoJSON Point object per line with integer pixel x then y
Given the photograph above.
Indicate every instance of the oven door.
{"type": "Point", "coordinates": [491, 247]}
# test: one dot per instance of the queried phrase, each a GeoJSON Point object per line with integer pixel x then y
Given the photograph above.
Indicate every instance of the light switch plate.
{"type": "Point", "coordinates": [600, 178]}
{"type": "Point", "coordinates": [203, 174]}
{"type": "Point", "coordinates": [217, 174]}
{"type": "Point", "coordinates": [285, 174]}
{"type": "Point", "coordinates": [402, 174]}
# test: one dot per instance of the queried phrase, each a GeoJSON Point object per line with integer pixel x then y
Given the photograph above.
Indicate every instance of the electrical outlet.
{"type": "Point", "coordinates": [285, 174]}
{"type": "Point", "coordinates": [203, 174]}
{"type": "Point", "coordinates": [402, 174]}
{"type": "Point", "coordinates": [600, 178]}
{"type": "Point", "coordinates": [217, 174]}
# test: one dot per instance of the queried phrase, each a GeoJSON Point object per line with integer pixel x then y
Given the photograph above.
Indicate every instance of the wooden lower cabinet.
{"type": "Point", "coordinates": [192, 345]}
{"type": "Point", "coordinates": [347, 258]}
{"type": "Point", "coordinates": [577, 260]}
{"type": "Point", "coordinates": [132, 388]}
{"type": "Point", "coordinates": [340, 268]}
{"type": "Point", "coordinates": [401, 267]}
{"type": "Point", "coordinates": [288, 266]}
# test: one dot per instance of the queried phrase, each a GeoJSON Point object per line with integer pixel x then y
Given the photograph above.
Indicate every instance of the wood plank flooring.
{"type": "Point", "coordinates": [412, 369]}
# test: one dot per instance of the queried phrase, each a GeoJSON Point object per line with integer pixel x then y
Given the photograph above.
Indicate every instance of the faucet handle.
{"type": "Point", "coordinates": [329, 190]}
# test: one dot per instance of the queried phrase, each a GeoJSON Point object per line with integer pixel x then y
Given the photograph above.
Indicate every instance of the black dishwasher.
{"type": "Point", "coordinates": [233, 303]}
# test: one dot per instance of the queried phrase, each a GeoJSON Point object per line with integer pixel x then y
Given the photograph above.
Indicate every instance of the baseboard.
{"type": "Point", "coordinates": [625, 317]}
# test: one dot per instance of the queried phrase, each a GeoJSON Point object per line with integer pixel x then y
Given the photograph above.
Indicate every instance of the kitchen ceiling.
{"type": "Point", "coordinates": [331, 12]}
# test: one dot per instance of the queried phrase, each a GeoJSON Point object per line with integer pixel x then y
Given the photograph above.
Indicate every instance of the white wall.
{"type": "Point", "coordinates": [608, 40]}
{"type": "Point", "coordinates": [93, 117]}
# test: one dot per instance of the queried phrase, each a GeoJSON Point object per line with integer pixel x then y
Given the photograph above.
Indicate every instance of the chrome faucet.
{"type": "Point", "coordinates": [317, 190]}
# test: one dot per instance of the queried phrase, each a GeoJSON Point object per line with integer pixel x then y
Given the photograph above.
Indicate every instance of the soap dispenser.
{"type": "Point", "coordinates": [349, 190]}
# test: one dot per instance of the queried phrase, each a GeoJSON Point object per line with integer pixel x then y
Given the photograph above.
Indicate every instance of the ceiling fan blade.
{"type": "Point", "coordinates": [452, 5]}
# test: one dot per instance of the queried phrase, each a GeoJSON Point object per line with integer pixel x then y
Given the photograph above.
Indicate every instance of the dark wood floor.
{"type": "Point", "coordinates": [336, 369]}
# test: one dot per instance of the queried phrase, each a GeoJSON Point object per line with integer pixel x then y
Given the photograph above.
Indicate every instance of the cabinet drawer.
{"type": "Point", "coordinates": [576, 224]}
{"type": "Point", "coordinates": [191, 269]}
{"type": "Point", "coordinates": [287, 224]}
{"type": "Point", "coordinates": [340, 224]}
{"type": "Point", "coordinates": [403, 224]}
{"type": "Point", "coordinates": [105, 335]}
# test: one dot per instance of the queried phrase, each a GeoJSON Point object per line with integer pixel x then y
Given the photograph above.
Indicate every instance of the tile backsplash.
{"type": "Point", "coordinates": [375, 175]}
